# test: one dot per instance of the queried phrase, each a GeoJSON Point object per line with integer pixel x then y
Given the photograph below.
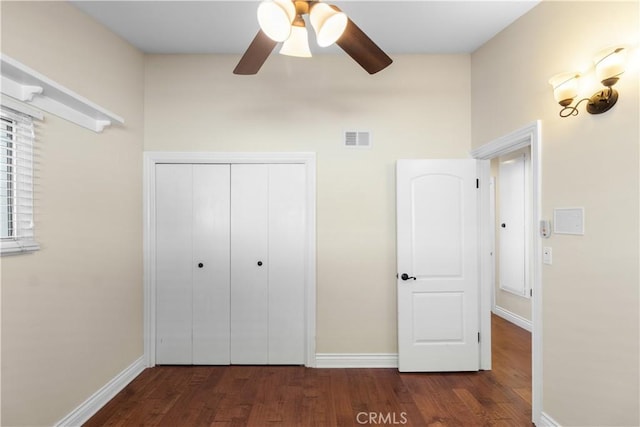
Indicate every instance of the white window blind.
{"type": "Point", "coordinates": [17, 166]}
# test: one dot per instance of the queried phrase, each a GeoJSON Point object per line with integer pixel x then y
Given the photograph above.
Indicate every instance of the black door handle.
{"type": "Point", "coordinates": [259, 263]}
{"type": "Point", "coordinates": [503, 225]}
{"type": "Point", "coordinates": [200, 265]}
{"type": "Point", "coordinates": [405, 276]}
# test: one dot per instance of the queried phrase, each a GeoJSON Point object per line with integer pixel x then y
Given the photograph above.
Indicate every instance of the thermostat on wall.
{"type": "Point", "coordinates": [568, 221]}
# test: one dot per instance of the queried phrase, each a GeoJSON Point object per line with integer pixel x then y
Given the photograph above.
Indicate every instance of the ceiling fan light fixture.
{"type": "Point", "coordinates": [275, 18]}
{"type": "Point", "coordinates": [328, 23]}
{"type": "Point", "coordinates": [298, 42]}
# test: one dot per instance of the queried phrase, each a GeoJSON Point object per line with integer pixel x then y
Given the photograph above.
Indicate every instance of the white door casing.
{"type": "Point", "coordinates": [437, 221]}
{"type": "Point", "coordinates": [529, 135]}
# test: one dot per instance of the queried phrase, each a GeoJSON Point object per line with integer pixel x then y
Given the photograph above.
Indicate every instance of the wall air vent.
{"type": "Point", "coordinates": [357, 139]}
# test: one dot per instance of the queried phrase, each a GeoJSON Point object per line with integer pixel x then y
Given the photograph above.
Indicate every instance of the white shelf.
{"type": "Point", "coordinates": [29, 86]}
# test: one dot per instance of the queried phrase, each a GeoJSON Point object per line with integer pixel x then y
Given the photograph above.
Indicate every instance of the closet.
{"type": "Point", "coordinates": [230, 263]}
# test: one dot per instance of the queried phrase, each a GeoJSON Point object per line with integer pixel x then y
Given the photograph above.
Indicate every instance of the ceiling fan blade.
{"type": "Point", "coordinates": [362, 49]}
{"type": "Point", "coordinates": [255, 55]}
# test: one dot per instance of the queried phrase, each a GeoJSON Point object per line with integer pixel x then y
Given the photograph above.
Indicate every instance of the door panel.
{"type": "Point", "coordinates": [249, 247]}
{"type": "Point", "coordinates": [438, 251]}
{"type": "Point", "coordinates": [174, 266]}
{"type": "Point", "coordinates": [438, 317]}
{"type": "Point", "coordinates": [441, 254]}
{"type": "Point", "coordinates": [287, 225]}
{"type": "Point", "coordinates": [211, 204]}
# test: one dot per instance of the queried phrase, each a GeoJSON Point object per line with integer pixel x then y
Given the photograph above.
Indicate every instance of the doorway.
{"type": "Point", "coordinates": [511, 180]}
{"type": "Point", "coordinates": [528, 136]}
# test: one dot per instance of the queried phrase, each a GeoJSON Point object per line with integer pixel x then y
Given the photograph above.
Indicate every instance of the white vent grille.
{"type": "Point", "coordinates": [357, 139]}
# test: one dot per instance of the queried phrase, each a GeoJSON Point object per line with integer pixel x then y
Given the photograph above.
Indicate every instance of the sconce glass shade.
{"type": "Point", "coordinates": [328, 23]}
{"type": "Point", "coordinates": [275, 18]}
{"type": "Point", "coordinates": [610, 65]}
{"type": "Point", "coordinates": [298, 42]}
{"type": "Point", "coordinates": [565, 87]}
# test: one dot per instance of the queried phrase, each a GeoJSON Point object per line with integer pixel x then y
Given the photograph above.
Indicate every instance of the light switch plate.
{"type": "Point", "coordinates": [547, 255]}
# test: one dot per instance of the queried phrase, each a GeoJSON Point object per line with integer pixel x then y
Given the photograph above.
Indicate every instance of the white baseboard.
{"type": "Point", "coordinates": [547, 421]}
{"type": "Point", "coordinates": [357, 360]}
{"type": "Point", "coordinates": [513, 318]}
{"type": "Point", "coordinates": [89, 407]}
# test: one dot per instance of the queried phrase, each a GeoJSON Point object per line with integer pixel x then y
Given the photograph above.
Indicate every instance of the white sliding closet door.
{"type": "Point", "coordinates": [174, 266]}
{"type": "Point", "coordinates": [249, 264]}
{"type": "Point", "coordinates": [230, 263]}
{"type": "Point", "coordinates": [192, 259]}
{"type": "Point", "coordinates": [287, 225]}
{"type": "Point", "coordinates": [211, 250]}
{"type": "Point", "coordinates": [268, 222]}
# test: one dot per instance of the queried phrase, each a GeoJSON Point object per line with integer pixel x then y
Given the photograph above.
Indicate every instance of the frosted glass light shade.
{"type": "Point", "coordinates": [565, 87]}
{"type": "Point", "coordinates": [275, 18]}
{"type": "Point", "coordinates": [610, 64]}
{"type": "Point", "coordinates": [297, 44]}
{"type": "Point", "coordinates": [328, 23]}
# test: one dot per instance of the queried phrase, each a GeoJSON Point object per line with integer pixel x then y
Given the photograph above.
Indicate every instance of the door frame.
{"type": "Point", "coordinates": [529, 135]}
{"type": "Point", "coordinates": [151, 159]}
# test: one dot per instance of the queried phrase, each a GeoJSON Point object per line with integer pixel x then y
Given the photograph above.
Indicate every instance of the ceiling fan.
{"type": "Point", "coordinates": [281, 21]}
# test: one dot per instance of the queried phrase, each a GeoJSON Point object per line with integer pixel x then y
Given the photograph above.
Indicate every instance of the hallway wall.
{"type": "Point", "coordinates": [590, 293]}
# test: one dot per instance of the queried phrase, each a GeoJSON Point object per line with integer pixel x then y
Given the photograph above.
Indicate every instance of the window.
{"type": "Point", "coordinates": [17, 160]}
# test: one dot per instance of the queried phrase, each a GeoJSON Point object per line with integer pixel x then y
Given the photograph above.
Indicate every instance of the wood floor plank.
{"type": "Point", "coordinates": [315, 411]}
{"type": "Point", "coordinates": [292, 396]}
{"type": "Point", "coordinates": [342, 405]}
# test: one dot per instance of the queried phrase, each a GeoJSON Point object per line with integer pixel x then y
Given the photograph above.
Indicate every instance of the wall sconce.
{"type": "Point", "coordinates": [609, 65]}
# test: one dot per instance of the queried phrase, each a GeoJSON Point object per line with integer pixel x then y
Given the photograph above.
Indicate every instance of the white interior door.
{"type": "Point", "coordinates": [512, 234]}
{"type": "Point", "coordinates": [438, 273]}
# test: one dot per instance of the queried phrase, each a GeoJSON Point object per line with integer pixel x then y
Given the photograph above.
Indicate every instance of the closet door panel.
{"type": "Point", "coordinates": [174, 267]}
{"type": "Point", "coordinates": [211, 204]}
{"type": "Point", "coordinates": [287, 226]}
{"type": "Point", "coordinates": [249, 291]}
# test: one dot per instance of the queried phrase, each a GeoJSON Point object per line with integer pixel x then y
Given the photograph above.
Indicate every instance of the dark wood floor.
{"type": "Point", "coordinates": [297, 396]}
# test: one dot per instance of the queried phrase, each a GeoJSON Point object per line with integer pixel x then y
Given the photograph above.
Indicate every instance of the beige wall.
{"type": "Point", "coordinates": [590, 302]}
{"type": "Point", "coordinates": [72, 312]}
{"type": "Point", "coordinates": [195, 103]}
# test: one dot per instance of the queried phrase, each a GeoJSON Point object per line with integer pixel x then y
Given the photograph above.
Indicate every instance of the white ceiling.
{"type": "Point", "coordinates": [217, 26]}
